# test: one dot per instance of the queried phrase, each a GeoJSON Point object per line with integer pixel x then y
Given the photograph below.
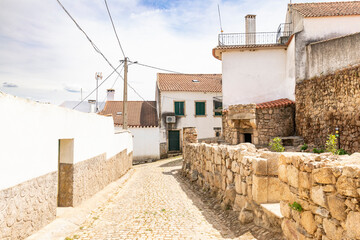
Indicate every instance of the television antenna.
{"type": "Point", "coordinates": [220, 19]}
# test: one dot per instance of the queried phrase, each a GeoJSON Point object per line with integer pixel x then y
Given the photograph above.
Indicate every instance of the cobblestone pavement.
{"type": "Point", "coordinates": [157, 203]}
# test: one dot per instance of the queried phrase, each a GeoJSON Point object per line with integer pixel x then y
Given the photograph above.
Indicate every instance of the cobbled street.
{"type": "Point", "coordinates": [158, 203]}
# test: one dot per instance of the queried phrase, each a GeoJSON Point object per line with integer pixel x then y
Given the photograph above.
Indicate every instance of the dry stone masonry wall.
{"type": "Point", "coordinates": [327, 188]}
{"type": "Point", "coordinates": [318, 194]}
{"type": "Point", "coordinates": [241, 176]}
{"type": "Point", "coordinates": [327, 102]}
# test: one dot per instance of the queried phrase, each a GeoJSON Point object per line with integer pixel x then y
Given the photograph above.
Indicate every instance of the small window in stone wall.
{"type": "Point", "coordinates": [247, 137]}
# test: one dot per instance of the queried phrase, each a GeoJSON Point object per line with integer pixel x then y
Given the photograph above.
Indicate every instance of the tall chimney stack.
{"type": "Point", "coordinates": [250, 29]}
{"type": "Point", "coordinates": [110, 94]}
{"type": "Point", "coordinates": [92, 105]}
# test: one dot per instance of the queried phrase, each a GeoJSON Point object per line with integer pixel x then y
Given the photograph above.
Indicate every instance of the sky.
{"type": "Point", "coordinates": [45, 57]}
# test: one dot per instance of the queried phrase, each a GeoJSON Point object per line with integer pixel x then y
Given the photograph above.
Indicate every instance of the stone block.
{"type": "Point", "coordinates": [259, 189]}
{"type": "Point", "coordinates": [238, 184]}
{"type": "Point", "coordinates": [235, 167]}
{"type": "Point", "coordinates": [272, 162]}
{"type": "Point", "coordinates": [239, 202]}
{"type": "Point", "coordinates": [230, 176]}
{"type": "Point", "coordinates": [352, 225]}
{"type": "Point", "coordinates": [283, 173]}
{"type": "Point", "coordinates": [217, 158]}
{"type": "Point", "coordinates": [244, 188]}
{"type": "Point", "coordinates": [346, 186]}
{"type": "Point", "coordinates": [332, 231]}
{"type": "Point", "coordinates": [285, 193]}
{"type": "Point", "coordinates": [308, 222]}
{"type": "Point", "coordinates": [304, 180]}
{"type": "Point", "coordinates": [274, 185]}
{"type": "Point", "coordinates": [289, 229]}
{"type": "Point", "coordinates": [246, 216]}
{"type": "Point", "coordinates": [337, 207]}
{"type": "Point", "coordinates": [259, 166]}
{"type": "Point", "coordinates": [324, 176]}
{"type": "Point", "coordinates": [318, 196]}
{"type": "Point", "coordinates": [285, 209]}
{"type": "Point", "coordinates": [293, 176]}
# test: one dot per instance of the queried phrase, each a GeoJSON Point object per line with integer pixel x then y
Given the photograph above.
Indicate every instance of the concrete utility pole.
{"type": "Point", "coordinates": [97, 76]}
{"type": "Point", "coordinates": [125, 116]}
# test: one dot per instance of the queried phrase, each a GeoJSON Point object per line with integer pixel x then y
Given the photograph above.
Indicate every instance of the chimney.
{"type": "Point", "coordinates": [250, 29]}
{"type": "Point", "coordinates": [92, 105]}
{"type": "Point", "coordinates": [110, 94]}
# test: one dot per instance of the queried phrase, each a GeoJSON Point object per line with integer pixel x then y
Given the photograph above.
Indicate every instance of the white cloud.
{"type": "Point", "coordinates": [42, 50]}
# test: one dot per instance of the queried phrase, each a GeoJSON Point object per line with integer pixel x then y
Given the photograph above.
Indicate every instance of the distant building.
{"type": "Point", "coordinates": [187, 100]}
{"type": "Point", "coordinates": [142, 123]}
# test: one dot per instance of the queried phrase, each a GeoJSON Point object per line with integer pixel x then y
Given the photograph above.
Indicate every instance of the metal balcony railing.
{"type": "Point", "coordinates": [259, 38]}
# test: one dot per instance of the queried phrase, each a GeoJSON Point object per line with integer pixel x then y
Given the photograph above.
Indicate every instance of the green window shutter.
{"type": "Point", "coordinates": [200, 108]}
{"type": "Point", "coordinates": [179, 108]}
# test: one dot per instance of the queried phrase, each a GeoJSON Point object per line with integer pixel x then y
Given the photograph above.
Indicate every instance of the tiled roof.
{"type": "Point", "coordinates": [140, 113]}
{"type": "Point", "coordinates": [277, 103]}
{"type": "Point", "coordinates": [184, 82]}
{"type": "Point", "coordinates": [327, 9]}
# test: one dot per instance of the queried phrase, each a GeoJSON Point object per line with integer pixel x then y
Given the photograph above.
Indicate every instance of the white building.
{"type": "Point", "coordinates": [187, 100]}
{"type": "Point", "coordinates": [261, 67]}
{"type": "Point", "coordinates": [143, 125]}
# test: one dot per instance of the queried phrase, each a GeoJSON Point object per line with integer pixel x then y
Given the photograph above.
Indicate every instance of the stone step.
{"type": "Point", "coordinates": [292, 141]}
{"type": "Point", "coordinates": [272, 210]}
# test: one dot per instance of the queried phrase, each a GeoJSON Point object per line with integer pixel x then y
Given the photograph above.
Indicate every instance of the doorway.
{"type": "Point", "coordinates": [66, 172]}
{"type": "Point", "coordinates": [247, 137]}
{"type": "Point", "coordinates": [174, 140]}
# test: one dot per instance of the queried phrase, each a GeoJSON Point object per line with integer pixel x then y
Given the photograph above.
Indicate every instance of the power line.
{"type": "Point", "coordinates": [117, 37]}
{"type": "Point", "coordinates": [97, 86]}
{"type": "Point", "coordinates": [98, 50]}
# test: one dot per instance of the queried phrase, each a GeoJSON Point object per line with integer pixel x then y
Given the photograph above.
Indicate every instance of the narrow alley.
{"type": "Point", "coordinates": [157, 203]}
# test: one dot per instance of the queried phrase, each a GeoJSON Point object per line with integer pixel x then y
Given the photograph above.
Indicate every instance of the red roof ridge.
{"type": "Point", "coordinates": [276, 103]}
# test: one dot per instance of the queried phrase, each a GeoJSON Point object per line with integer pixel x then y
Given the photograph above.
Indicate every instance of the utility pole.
{"type": "Point", "coordinates": [125, 116]}
{"type": "Point", "coordinates": [97, 76]}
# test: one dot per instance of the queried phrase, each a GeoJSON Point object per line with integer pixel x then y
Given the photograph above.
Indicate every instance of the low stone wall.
{"type": "Point", "coordinates": [327, 187]}
{"type": "Point", "coordinates": [27, 207]}
{"type": "Point", "coordinates": [94, 174]}
{"type": "Point", "coordinates": [242, 177]}
{"type": "Point", "coordinates": [328, 102]}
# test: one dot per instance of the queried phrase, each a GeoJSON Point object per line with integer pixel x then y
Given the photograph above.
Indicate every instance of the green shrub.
{"type": "Point", "coordinates": [304, 147]}
{"type": "Point", "coordinates": [276, 145]}
{"type": "Point", "coordinates": [331, 144]}
{"type": "Point", "coordinates": [341, 152]}
{"type": "Point", "coordinates": [320, 150]}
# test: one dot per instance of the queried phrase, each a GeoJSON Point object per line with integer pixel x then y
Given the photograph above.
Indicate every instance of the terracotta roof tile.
{"type": "Point", "coordinates": [326, 9]}
{"type": "Point", "coordinates": [140, 113]}
{"type": "Point", "coordinates": [277, 103]}
{"type": "Point", "coordinates": [184, 82]}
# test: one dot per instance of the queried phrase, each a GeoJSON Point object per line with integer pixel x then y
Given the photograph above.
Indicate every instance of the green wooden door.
{"type": "Point", "coordinates": [174, 141]}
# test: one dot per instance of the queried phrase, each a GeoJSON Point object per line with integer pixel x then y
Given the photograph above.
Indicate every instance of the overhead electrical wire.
{"type": "Point", "coordinates": [98, 86]}
{"type": "Point", "coordinates": [112, 23]}
{"type": "Point", "coordinates": [98, 51]}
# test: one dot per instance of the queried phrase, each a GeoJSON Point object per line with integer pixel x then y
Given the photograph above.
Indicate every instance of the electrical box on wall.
{"type": "Point", "coordinates": [170, 119]}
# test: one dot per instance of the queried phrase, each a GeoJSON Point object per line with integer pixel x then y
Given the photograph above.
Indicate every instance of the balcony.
{"type": "Point", "coordinates": [280, 37]}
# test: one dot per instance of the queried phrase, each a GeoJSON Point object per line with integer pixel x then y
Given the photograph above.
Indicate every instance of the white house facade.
{"type": "Point", "coordinates": [188, 100]}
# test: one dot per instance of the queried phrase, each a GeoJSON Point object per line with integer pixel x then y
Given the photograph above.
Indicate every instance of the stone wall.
{"type": "Point", "coordinates": [263, 123]}
{"type": "Point", "coordinates": [27, 207]}
{"type": "Point", "coordinates": [275, 122]}
{"type": "Point", "coordinates": [327, 187]}
{"type": "Point", "coordinates": [326, 102]}
{"type": "Point", "coordinates": [241, 176]}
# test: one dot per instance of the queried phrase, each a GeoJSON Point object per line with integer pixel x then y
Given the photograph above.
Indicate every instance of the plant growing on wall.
{"type": "Point", "coordinates": [275, 145]}
{"type": "Point", "coordinates": [318, 150]}
{"type": "Point", "coordinates": [304, 147]}
{"type": "Point", "coordinates": [296, 206]}
{"type": "Point", "coordinates": [341, 152]}
{"type": "Point", "coordinates": [331, 144]}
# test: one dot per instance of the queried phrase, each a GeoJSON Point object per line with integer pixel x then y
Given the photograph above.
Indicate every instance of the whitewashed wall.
{"type": "Point", "coordinates": [254, 76]}
{"type": "Point", "coordinates": [204, 124]}
{"type": "Point", "coordinates": [30, 133]}
{"type": "Point", "coordinates": [146, 143]}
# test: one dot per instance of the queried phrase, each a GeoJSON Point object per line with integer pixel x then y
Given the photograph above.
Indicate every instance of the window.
{"type": "Point", "coordinates": [200, 108]}
{"type": "Point", "coordinates": [217, 108]}
{"type": "Point", "coordinates": [179, 108]}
